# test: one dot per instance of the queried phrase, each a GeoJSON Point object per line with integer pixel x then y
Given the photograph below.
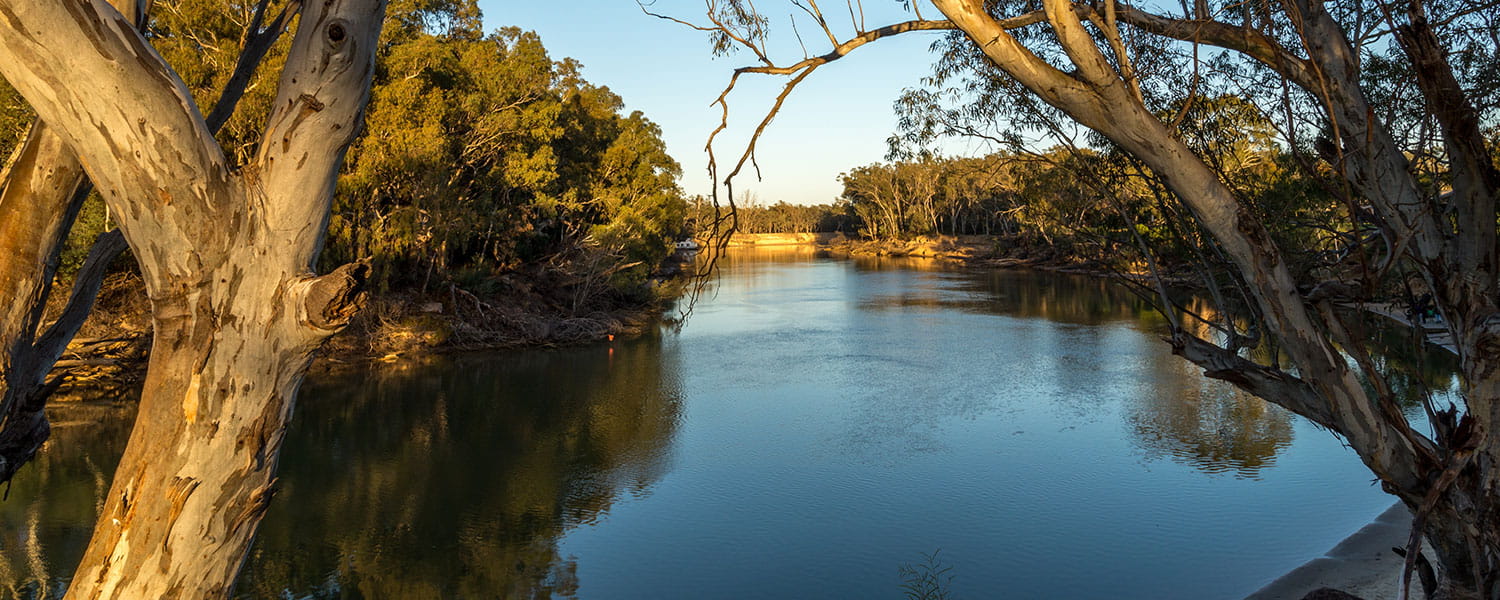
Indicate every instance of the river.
{"type": "Point", "coordinates": [819, 428]}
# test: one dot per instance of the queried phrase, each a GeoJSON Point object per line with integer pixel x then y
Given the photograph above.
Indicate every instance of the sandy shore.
{"type": "Point", "coordinates": [1362, 564]}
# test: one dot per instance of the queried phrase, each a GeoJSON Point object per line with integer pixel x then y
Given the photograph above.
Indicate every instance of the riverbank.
{"type": "Point", "coordinates": [108, 357]}
{"type": "Point", "coordinates": [1362, 564]}
{"type": "Point", "coordinates": [979, 250]}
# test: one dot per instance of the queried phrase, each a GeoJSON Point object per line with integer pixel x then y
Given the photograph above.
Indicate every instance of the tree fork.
{"type": "Point", "coordinates": [227, 257]}
{"type": "Point", "coordinates": [36, 213]}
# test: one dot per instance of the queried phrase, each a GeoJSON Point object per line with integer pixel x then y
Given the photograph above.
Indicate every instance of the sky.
{"type": "Point", "coordinates": [837, 119]}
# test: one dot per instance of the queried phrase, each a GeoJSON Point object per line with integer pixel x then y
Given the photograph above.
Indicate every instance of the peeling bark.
{"type": "Point", "coordinates": [41, 191]}
{"type": "Point", "coordinates": [227, 258]}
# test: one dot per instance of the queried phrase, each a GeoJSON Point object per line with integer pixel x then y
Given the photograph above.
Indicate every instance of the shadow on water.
{"type": "Point", "coordinates": [451, 480]}
{"type": "Point", "coordinates": [457, 482]}
{"type": "Point", "coordinates": [50, 508]}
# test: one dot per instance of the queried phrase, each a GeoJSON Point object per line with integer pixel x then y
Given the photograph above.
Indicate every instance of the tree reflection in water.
{"type": "Point", "coordinates": [49, 511]}
{"type": "Point", "coordinates": [451, 480]}
{"type": "Point", "coordinates": [458, 479]}
{"type": "Point", "coordinates": [1210, 426]}
{"type": "Point", "coordinates": [381, 494]}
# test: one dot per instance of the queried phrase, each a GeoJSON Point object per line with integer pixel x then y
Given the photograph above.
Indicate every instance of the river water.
{"type": "Point", "coordinates": [820, 428]}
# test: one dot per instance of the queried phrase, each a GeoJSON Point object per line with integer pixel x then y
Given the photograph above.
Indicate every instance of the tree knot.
{"type": "Point", "coordinates": [334, 298]}
{"type": "Point", "coordinates": [310, 102]}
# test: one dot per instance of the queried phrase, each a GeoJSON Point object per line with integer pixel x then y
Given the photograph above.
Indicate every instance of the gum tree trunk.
{"type": "Point", "coordinates": [226, 253]}
{"type": "Point", "coordinates": [42, 188]}
{"type": "Point", "coordinates": [38, 204]}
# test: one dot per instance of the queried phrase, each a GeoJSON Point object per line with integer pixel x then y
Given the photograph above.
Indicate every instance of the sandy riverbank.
{"type": "Point", "coordinates": [1363, 564]}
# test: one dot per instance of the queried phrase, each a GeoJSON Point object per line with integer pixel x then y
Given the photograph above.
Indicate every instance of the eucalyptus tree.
{"type": "Point", "coordinates": [42, 197]}
{"type": "Point", "coordinates": [226, 249]}
{"type": "Point", "coordinates": [482, 153]}
{"type": "Point", "coordinates": [1103, 65]}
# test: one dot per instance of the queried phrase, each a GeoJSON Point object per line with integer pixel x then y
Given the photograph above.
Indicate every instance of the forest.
{"type": "Point", "coordinates": [481, 159]}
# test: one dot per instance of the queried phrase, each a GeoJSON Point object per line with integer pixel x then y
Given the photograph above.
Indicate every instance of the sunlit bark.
{"type": "Point", "coordinates": [227, 256]}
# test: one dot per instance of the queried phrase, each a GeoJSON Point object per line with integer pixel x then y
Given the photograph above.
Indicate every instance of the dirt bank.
{"type": "Point", "coordinates": [978, 250]}
{"type": "Point", "coordinates": [107, 360]}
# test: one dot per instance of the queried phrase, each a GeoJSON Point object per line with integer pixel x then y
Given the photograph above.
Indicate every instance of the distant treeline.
{"type": "Point", "coordinates": [753, 217]}
{"type": "Point", "coordinates": [481, 154]}
{"type": "Point", "coordinates": [1085, 202]}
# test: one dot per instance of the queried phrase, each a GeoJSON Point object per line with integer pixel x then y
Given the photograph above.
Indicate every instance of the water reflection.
{"type": "Point", "coordinates": [1057, 297]}
{"type": "Point", "coordinates": [49, 510]}
{"type": "Point", "coordinates": [1209, 425]}
{"type": "Point", "coordinates": [1175, 413]}
{"type": "Point", "coordinates": [456, 482]}
{"type": "Point", "coordinates": [847, 414]}
{"type": "Point", "coordinates": [440, 481]}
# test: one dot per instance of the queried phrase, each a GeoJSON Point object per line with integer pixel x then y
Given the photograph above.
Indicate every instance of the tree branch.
{"type": "Point", "coordinates": [1079, 44]}
{"type": "Point", "coordinates": [990, 34]}
{"type": "Point", "coordinates": [149, 112]}
{"type": "Point", "coordinates": [1273, 385]}
{"type": "Point", "coordinates": [109, 246]}
{"type": "Point", "coordinates": [317, 113]}
{"type": "Point", "coordinates": [253, 48]}
{"type": "Point", "coordinates": [843, 49]}
{"type": "Point", "coordinates": [1247, 41]}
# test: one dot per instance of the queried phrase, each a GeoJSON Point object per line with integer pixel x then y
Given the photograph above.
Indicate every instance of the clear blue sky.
{"type": "Point", "coordinates": [838, 118]}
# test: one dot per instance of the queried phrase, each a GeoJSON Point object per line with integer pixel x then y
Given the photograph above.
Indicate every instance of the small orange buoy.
{"type": "Point", "coordinates": [611, 337]}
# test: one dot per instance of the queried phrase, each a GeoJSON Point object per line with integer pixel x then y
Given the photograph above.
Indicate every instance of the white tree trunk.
{"type": "Point", "coordinates": [227, 255]}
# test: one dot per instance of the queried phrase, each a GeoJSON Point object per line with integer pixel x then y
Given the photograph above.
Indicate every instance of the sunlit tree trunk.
{"type": "Point", "coordinates": [226, 254]}
{"type": "Point", "coordinates": [38, 203]}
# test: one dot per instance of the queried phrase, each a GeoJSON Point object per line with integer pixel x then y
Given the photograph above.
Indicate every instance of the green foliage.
{"type": "Point", "coordinates": [200, 39]}
{"type": "Point", "coordinates": [15, 118]}
{"type": "Point", "coordinates": [753, 217]}
{"type": "Point", "coordinates": [93, 219]}
{"type": "Point", "coordinates": [932, 195]}
{"type": "Point", "coordinates": [480, 153]}
{"type": "Point", "coordinates": [1103, 204]}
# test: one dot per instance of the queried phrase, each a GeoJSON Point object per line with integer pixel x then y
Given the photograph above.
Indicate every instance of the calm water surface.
{"type": "Point", "coordinates": [816, 425]}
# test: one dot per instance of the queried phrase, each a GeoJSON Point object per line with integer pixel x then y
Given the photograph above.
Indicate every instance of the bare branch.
{"type": "Point", "coordinates": [817, 15]}
{"type": "Point", "coordinates": [1248, 41]}
{"type": "Point", "coordinates": [850, 45]}
{"type": "Point", "coordinates": [253, 48]}
{"type": "Point", "coordinates": [718, 27]}
{"type": "Point", "coordinates": [749, 153]}
{"type": "Point", "coordinates": [86, 284]}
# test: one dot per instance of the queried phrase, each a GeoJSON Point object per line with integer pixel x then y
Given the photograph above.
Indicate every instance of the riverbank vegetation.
{"type": "Point", "coordinates": [454, 188]}
{"type": "Point", "coordinates": [1077, 203]}
{"type": "Point", "coordinates": [497, 196]}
